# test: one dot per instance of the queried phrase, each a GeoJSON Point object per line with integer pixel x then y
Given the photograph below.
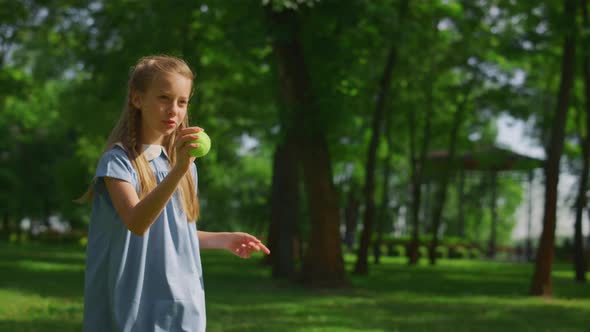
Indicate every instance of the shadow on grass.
{"type": "Point", "coordinates": [479, 279]}
{"type": "Point", "coordinates": [42, 253]}
{"type": "Point", "coordinates": [476, 297]}
{"type": "Point", "coordinates": [241, 296]}
{"type": "Point", "coordinates": [39, 325]}
{"type": "Point", "coordinates": [42, 270]}
{"type": "Point", "coordinates": [447, 279]}
{"type": "Point", "coordinates": [398, 316]}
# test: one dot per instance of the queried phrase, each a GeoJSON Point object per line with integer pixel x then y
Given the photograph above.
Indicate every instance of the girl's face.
{"type": "Point", "coordinates": [163, 106]}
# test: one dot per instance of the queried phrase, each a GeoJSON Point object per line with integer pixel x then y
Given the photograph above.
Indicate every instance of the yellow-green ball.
{"type": "Point", "coordinates": [204, 145]}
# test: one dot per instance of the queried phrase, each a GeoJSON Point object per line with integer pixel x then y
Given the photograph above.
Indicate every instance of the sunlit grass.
{"type": "Point", "coordinates": [41, 289]}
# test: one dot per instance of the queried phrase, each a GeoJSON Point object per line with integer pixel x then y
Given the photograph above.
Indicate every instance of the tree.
{"type": "Point", "coordinates": [323, 264]}
{"type": "Point", "coordinates": [541, 282]}
{"type": "Point", "coordinates": [376, 128]}
{"type": "Point", "coordinates": [579, 259]}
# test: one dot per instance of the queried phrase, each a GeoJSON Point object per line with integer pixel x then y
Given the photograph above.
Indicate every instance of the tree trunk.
{"type": "Point", "coordinates": [491, 253]}
{"type": "Point", "coordinates": [323, 264]}
{"type": "Point", "coordinates": [5, 229]}
{"type": "Point", "coordinates": [351, 217]}
{"type": "Point", "coordinates": [442, 192]}
{"type": "Point", "coordinates": [284, 210]}
{"type": "Point", "coordinates": [480, 199]}
{"type": "Point", "coordinates": [382, 215]}
{"type": "Point", "coordinates": [529, 239]}
{"type": "Point", "coordinates": [369, 192]}
{"type": "Point", "coordinates": [416, 178]}
{"type": "Point", "coordinates": [416, 187]}
{"type": "Point", "coordinates": [461, 205]}
{"type": "Point", "coordinates": [426, 203]}
{"type": "Point", "coordinates": [579, 259]}
{"type": "Point", "coordinates": [541, 282]}
{"type": "Point", "coordinates": [361, 266]}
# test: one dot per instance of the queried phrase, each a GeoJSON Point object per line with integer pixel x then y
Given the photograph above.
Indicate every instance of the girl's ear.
{"type": "Point", "coordinates": [136, 99]}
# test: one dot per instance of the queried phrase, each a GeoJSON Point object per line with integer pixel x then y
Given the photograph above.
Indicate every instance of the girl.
{"type": "Point", "coordinates": [143, 268]}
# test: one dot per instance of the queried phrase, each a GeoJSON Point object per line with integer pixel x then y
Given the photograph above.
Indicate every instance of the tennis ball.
{"type": "Point", "coordinates": [204, 145]}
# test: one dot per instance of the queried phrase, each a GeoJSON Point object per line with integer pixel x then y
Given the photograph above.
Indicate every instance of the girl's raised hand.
{"type": "Point", "coordinates": [183, 146]}
{"type": "Point", "coordinates": [243, 244]}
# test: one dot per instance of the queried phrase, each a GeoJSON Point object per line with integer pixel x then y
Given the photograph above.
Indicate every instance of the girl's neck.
{"type": "Point", "coordinates": [161, 142]}
{"type": "Point", "coordinates": [153, 140]}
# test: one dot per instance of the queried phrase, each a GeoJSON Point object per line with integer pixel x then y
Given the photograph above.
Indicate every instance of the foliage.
{"type": "Point", "coordinates": [64, 68]}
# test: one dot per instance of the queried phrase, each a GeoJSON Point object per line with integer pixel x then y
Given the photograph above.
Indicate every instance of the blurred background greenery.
{"type": "Point", "coordinates": [359, 139]}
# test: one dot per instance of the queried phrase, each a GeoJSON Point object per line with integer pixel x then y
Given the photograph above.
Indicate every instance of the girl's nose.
{"type": "Point", "coordinates": [173, 109]}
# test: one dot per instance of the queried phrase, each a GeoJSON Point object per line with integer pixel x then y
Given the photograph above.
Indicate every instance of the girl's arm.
{"type": "Point", "coordinates": [239, 244]}
{"type": "Point", "coordinates": [210, 240]}
{"type": "Point", "coordinates": [139, 215]}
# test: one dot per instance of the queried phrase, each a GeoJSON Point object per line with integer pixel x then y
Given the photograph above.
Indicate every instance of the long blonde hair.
{"type": "Point", "coordinates": [127, 130]}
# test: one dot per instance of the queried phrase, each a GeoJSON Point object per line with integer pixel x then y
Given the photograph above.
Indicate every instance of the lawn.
{"type": "Point", "coordinates": [41, 289]}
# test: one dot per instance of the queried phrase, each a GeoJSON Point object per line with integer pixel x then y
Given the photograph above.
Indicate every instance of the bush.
{"type": "Point", "coordinates": [475, 253]}
{"type": "Point", "coordinates": [399, 250]}
{"type": "Point", "coordinates": [423, 251]}
{"type": "Point", "coordinates": [73, 236]}
{"type": "Point", "coordinates": [442, 252]}
{"type": "Point", "coordinates": [460, 252]}
{"type": "Point", "coordinates": [453, 240]}
{"type": "Point", "coordinates": [83, 242]}
{"type": "Point", "coordinates": [18, 238]}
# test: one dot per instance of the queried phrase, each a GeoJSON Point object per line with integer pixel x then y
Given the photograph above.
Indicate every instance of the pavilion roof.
{"type": "Point", "coordinates": [491, 158]}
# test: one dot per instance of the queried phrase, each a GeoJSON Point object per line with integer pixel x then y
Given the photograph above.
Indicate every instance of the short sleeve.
{"type": "Point", "coordinates": [115, 164]}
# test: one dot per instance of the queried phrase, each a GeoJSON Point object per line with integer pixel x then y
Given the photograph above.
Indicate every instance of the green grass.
{"type": "Point", "coordinates": [41, 289]}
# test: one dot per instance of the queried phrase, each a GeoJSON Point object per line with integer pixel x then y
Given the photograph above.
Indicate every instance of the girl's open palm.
{"type": "Point", "coordinates": [243, 244]}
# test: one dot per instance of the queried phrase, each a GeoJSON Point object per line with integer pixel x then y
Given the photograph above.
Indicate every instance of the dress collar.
{"type": "Point", "coordinates": [150, 151]}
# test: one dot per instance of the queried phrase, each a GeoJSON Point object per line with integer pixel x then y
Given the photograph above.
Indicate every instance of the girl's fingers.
{"type": "Point", "coordinates": [252, 238]}
{"type": "Point", "coordinates": [261, 247]}
{"type": "Point", "coordinates": [259, 244]}
{"type": "Point", "coordinates": [185, 149]}
{"type": "Point", "coordinates": [258, 247]}
{"type": "Point", "coordinates": [253, 246]}
{"type": "Point", "coordinates": [247, 245]}
{"type": "Point", "coordinates": [180, 141]}
{"type": "Point", "coordinates": [242, 252]}
{"type": "Point", "coordinates": [187, 134]}
{"type": "Point", "coordinates": [186, 138]}
{"type": "Point", "coordinates": [265, 249]}
{"type": "Point", "coordinates": [189, 130]}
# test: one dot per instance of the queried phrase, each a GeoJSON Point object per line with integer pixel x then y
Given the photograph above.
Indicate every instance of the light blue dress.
{"type": "Point", "coordinates": [148, 283]}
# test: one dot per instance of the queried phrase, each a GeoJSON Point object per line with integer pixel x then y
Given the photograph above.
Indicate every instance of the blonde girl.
{"type": "Point", "coordinates": [143, 268]}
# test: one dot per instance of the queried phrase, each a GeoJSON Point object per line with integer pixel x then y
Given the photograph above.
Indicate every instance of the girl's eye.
{"type": "Point", "coordinates": [182, 103]}
{"type": "Point", "coordinates": [163, 97]}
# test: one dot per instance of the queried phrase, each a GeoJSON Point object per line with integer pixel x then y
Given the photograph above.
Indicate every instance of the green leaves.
{"type": "Point", "coordinates": [280, 5]}
{"type": "Point", "coordinates": [63, 81]}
